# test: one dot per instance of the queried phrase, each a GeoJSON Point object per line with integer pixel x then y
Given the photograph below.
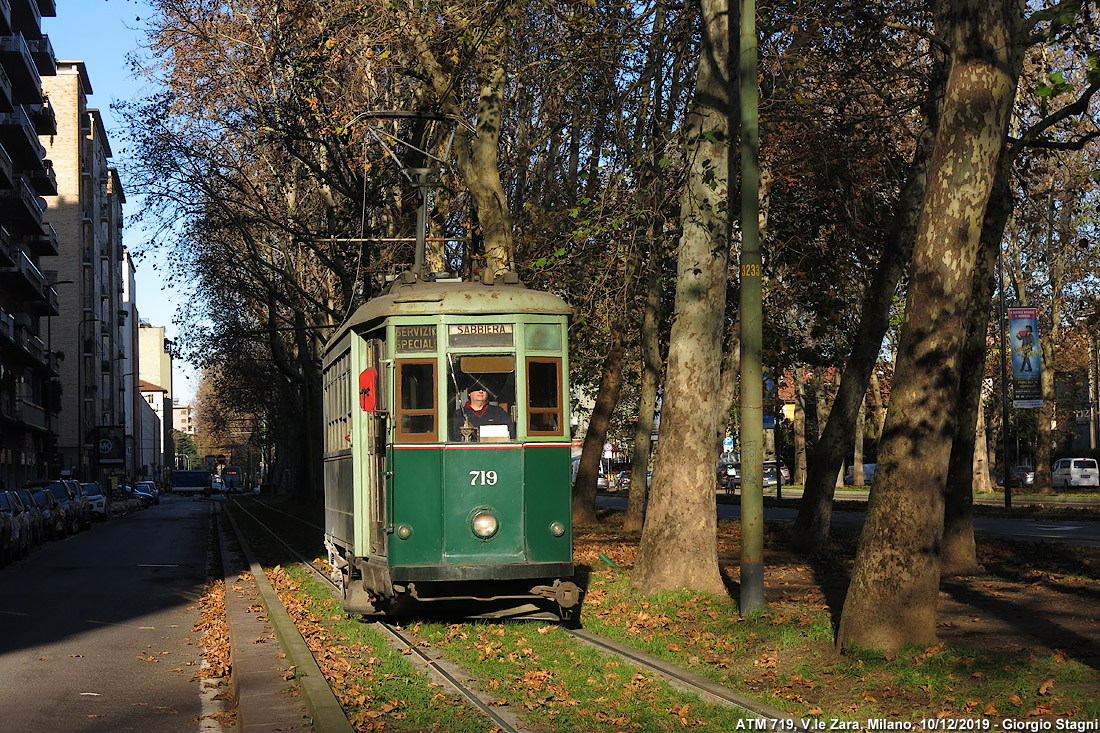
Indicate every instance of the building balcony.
{"type": "Point", "coordinates": [42, 53]}
{"type": "Point", "coordinates": [18, 136]}
{"type": "Point", "coordinates": [21, 210]}
{"type": "Point", "coordinates": [16, 58]}
{"type": "Point", "coordinates": [7, 101]}
{"type": "Point", "coordinates": [45, 305]}
{"type": "Point", "coordinates": [7, 169]}
{"type": "Point", "coordinates": [24, 279]}
{"type": "Point", "coordinates": [5, 16]}
{"type": "Point", "coordinates": [36, 347]}
{"type": "Point", "coordinates": [43, 117]}
{"type": "Point", "coordinates": [26, 15]}
{"type": "Point", "coordinates": [43, 180]}
{"type": "Point", "coordinates": [30, 414]}
{"type": "Point", "coordinates": [29, 348]}
{"type": "Point", "coordinates": [43, 244]}
{"type": "Point", "coordinates": [8, 251]}
{"type": "Point", "coordinates": [7, 327]}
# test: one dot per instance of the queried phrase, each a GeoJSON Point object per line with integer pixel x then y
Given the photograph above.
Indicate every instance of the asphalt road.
{"type": "Point", "coordinates": [1039, 530]}
{"type": "Point", "coordinates": [97, 628]}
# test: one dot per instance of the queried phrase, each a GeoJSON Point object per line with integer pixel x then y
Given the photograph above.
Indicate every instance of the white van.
{"type": "Point", "coordinates": [1067, 472]}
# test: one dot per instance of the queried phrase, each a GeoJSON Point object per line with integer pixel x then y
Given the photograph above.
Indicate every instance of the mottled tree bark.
{"type": "Point", "coordinates": [857, 451]}
{"type": "Point", "coordinates": [678, 548]}
{"type": "Point", "coordinates": [477, 154]}
{"type": "Point", "coordinates": [607, 396]}
{"type": "Point", "coordinates": [891, 599]}
{"type": "Point", "coordinates": [827, 457]}
{"type": "Point", "coordinates": [799, 476]}
{"type": "Point", "coordinates": [959, 553]}
{"type": "Point", "coordinates": [878, 409]}
{"type": "Point", "coordinates": [643, 430]}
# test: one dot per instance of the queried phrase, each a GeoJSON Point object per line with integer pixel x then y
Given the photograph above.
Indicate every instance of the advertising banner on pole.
{"type": "Point", "coordinates": [1023, 331]}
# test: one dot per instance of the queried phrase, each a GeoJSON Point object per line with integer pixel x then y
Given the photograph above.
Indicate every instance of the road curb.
{"type": "Point", "coordinates": [319, 701]}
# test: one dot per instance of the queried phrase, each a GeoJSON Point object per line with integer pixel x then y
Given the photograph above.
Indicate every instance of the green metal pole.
{"type": "Point", "coordinates": [752, 408]}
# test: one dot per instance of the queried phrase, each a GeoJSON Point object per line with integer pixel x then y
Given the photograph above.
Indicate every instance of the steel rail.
{"type": "Point", "coordinates": [678, 677]}
{"type": "Point", "coordinates": [402, 641]}
{"type": "Point", "coordinates": [434, 665]}
{"type": "Point", "coordinates": [683, 679]}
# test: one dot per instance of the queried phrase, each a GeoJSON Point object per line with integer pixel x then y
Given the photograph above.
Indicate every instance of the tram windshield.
{"type": "Point", "coordinates": [481, 397]}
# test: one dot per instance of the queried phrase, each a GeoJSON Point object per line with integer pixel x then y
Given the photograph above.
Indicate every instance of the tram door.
{"type": "Point", "coordinates": [372, 392]}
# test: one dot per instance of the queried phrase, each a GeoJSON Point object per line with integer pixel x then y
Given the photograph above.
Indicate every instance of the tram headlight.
{"type": "Point", "coordinates": [557, 529]}
{"type": "Point", "coordinates": [404, 531]}
{"type": "Point", "coordinates": [484, 523]}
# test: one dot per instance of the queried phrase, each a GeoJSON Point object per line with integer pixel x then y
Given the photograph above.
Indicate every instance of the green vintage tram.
{"type": "Point", "coordinates": [423, 504]}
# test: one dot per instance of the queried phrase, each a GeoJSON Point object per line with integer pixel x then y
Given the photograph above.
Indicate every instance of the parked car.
{"type": "Point", "coordinates": [770, 473]}
{"type": "Point", "coordinates": [1022, 476]}
{"type": "Point", "coordinates": [622, 479]}
{"type": "Point", "coordinates": [63, 492]}
{"type": "Point", "coordinates": [21, 529]}
{"type": "Point", "coordinates": [150, 488]}
{"type": "Point", "coordinates": [868, 474]}
{"type": "Point", "coordinates": [784, 471]}
{"type": "Point", "coordinates": [83, 504]}
{"type": "Point", "coordinates": [96, 500]}
{"type": "Point", "coordinates": [145, 498]}
{"type": "Point", "coordinates": [1067, 472]}
{"type": "Point", "coordinates": [5, 539]}
{"type": "Point", "coordinates": [30, 506]}
{"type": "Point", "coordinates": [53, 513]}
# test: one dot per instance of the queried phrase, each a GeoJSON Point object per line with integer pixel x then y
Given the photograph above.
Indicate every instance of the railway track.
{"type": "Point", "coordinates": [453, 678]}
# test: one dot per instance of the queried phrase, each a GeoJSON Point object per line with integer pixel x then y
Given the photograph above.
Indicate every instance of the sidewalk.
{"type": "Point", "coordinates": [268, 697]}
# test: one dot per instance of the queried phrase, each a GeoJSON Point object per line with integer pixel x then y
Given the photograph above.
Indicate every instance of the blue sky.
{"type": "Point", "coordinates": [101, 33]}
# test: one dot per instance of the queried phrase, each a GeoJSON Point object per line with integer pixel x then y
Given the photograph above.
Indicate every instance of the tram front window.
{"type": "Point", "coordinates": [481, 395]}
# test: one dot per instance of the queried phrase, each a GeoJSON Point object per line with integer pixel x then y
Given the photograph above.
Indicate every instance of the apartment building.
{"type": "Point", "coordinates": [129, 392]}
{"type": "Point", "coordinates": [30, 393]}
{"type": "Point", "coordinates": [184, 418]}
{"type": "Point", "coordinates": [155, 371]}
{"type": "Point", "coordinates": [153, 458]}
{"type": "Point", "coordinates": [86, 214]}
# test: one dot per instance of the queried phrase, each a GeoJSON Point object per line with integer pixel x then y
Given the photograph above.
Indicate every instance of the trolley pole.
{"type": "Point", "coordinates": [752, 408]}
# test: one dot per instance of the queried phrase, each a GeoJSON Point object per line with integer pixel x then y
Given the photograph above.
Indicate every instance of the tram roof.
{"type": "Point", "coordinates": [454, 298]}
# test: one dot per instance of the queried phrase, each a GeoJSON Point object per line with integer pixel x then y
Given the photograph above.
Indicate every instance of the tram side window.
{"type": "Point", "coordinates": [544, 404]}
{"type": "Point", "coordinates": [416, 400]}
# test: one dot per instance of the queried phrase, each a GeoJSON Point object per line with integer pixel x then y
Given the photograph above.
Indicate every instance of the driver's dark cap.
{"type": "Point", "coordinates": [476, 385]}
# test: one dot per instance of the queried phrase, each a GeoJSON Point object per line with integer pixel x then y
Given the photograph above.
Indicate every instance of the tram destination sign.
{"type": "Point", "coordinates": [408, 339]}
{"type": "Point", "coordinates": [480, 334]}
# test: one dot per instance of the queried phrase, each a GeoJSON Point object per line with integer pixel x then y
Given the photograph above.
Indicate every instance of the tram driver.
{"type": "Point", "coordinates": [467, 422]}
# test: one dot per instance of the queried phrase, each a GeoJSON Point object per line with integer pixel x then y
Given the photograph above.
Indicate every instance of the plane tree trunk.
{"type": "Point", "coordinates": [891, 599]}
{"type": "Point", "coordinates": [678, 547]}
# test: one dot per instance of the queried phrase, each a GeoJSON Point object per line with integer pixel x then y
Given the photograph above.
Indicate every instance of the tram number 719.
{"type": "Point", "coordinates": [483, 478]}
